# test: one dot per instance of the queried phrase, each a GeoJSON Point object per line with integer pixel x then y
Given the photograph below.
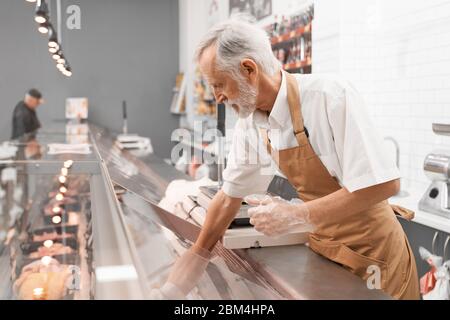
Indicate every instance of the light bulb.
{"type": "Point", "coordinates": [52, 38]}
{"type": "Point", "coordinates": [56, 209]}
{"type": "Point", "coordinates": [59, 197]}
{"type": "Point", "coordinates": [48, 243]}
{"type": "Point", "coordinates": [43, 28]}
{"type": "Point", "coordinates": [40, 19]}
{"type": "Point", "coordinates": [62, 179]}
{"type": "Point", "coordinates": [56, 219]}
{"type": "Point", "coordinates": [64, 171]}
{"type": "Point", "coordinates": [57, 55]}
{"type": "Point", "coordinates": [61, 60]}
{"type": "Point", "coordinates": [46, 260]}
{"type": "Point", "coordinates": [38, 294]}
{"type": "Point", "coordinates": [37, 291]}
{"type": "Point", "coordinates": [41, 12]}
{"type": "Point", "coordinates": [68, 164]}
{"type": "Point", "coordinates": [53, 50]}
{"type": "Point", "coordinates": [67, 70]}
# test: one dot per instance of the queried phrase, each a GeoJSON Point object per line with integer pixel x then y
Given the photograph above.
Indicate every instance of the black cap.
{"type": "Point", "coordinates": [35, 93]}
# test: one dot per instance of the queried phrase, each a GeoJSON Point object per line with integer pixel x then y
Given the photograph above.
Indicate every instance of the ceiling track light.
{"type": "Point", "coordinates": [54, 46]}
{"type": "Point", "coordinates": [44, 27]}
{"type": "Point", "coordinates": [67, 70]}
{"type": "Point", "coordinates": [57, 55]}
{"type": "Point", "coordinates": [52, 38]}
{"type": "Point", "coordinates": [31, 1]}
{"type": "Point", "coordinates": [53, 50]}
{"type": "Point", "coordinates": [41, 15]}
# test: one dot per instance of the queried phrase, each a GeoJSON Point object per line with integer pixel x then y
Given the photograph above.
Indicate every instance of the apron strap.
{"type": "Point", "coordinates": [293, 97]}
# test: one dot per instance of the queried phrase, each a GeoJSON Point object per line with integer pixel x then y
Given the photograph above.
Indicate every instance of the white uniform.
{"type": "Point", "coordinates": [340, 132]}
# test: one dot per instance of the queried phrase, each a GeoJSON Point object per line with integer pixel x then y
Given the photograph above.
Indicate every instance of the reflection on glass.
{"type": "Point", "coordinates": [159, 247]}
{"type": "Point", "coordinates": [44, 237]}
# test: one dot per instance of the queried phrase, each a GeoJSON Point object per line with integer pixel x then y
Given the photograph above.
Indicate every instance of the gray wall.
{"type": "Point", "coordinates": [124, 50]}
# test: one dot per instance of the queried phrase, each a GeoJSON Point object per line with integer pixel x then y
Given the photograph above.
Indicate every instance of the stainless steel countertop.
{"type": "Point", "coordinates": [309, 276]}
{"type": "Point", "coordinates": [295, 271]}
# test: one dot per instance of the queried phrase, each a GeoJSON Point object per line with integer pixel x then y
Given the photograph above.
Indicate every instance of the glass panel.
{"type": "Point", "coordinates": [36, 146]}
{"type": "Point", "coordinates": [43, 222]}
{"type": "Point", "coordinates": [61, 235]}
{"type": "Point", "coordinates": [160, 238]}
{"type": "Point", "coordinates": [147, 176]}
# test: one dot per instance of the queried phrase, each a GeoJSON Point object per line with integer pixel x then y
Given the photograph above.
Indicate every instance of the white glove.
{"type": "Point", "coordinates": [275, 217]}
{"type": "Point", "coordinates": [185, 274]}
{"type": "Point", "coordinates": [167, 292]}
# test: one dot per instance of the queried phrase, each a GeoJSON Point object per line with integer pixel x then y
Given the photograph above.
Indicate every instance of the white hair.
{"type": "Point", "coordinates": [237, 39]}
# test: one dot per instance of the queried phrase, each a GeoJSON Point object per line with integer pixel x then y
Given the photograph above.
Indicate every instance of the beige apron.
{"type": "Point", "coordinates": [356, 241]}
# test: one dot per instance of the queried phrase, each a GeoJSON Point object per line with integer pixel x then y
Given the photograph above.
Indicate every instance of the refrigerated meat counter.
{"type": "Point", "coordinates": [61, 230]}
{"type": "Point", "coordinates": [96, 231]}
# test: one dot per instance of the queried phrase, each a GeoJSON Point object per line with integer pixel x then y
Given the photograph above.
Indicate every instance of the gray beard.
{"type": "Point", "coordinates": [245, 105]}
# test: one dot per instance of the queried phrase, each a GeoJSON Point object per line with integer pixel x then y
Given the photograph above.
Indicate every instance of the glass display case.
{"type": "Point", "coordinates": [61, 235]}
{"type": "Point", "coordinates": [36, 146]}
{"type": "Point", "coordinates": [91, 226]}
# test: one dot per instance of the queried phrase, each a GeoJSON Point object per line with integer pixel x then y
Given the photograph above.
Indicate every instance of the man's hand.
{"type": "Point", "coordinates": [275, 216]}
{"type": "Point", "coordinates": [184, 275]}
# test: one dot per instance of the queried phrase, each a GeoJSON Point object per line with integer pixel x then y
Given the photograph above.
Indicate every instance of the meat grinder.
{"type": "Point", "coordinates": [436, 200]}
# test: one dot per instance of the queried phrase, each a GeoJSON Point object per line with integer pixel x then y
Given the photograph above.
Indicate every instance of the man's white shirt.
{"type": "Point", "coordinates": [340, 132]}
